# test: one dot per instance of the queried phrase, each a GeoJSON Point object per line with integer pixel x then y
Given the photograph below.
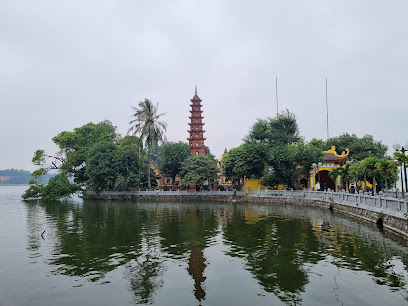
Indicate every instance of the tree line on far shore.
{"type": "Point", "coordinates": [95, 157]}
{"type": "Point", "coordinates": [18, 177]}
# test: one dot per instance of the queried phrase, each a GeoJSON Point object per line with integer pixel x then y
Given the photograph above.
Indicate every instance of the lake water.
{"type": "Point", "coordinates": [121, 253]}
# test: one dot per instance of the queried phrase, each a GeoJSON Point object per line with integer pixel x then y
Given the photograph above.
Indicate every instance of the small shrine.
{"type": "Point", "coordinates": [196, 139]}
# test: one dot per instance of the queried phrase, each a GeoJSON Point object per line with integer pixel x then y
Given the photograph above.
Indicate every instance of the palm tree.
{"type": "Point", "coordinates": [388, 170]}
{"type": "Point", "coordinates": [400, 159]}
{"type": "Point", "coordinates": [146, 123]}
{"type": "Point", "coordinates": [357, 172]}
{"type": "Point", "coordinates": [334, 174]}
{"type": "Point", "coordinates": [345, 175]}
{"type": "Point", "coordinates": [371, 170]}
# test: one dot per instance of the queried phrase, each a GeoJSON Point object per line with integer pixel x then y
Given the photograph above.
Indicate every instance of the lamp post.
{"type": "Point", "coordinates": [397, 147]}
{"type": "Point", "coordinates": [317, 166]}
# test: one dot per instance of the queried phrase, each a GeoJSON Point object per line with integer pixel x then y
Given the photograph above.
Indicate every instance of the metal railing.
{"type": "Point", "coordinates": [378, 202]}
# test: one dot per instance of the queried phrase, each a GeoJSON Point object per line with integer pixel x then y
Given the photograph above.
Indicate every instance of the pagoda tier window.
{"type": "Point", "coordinates": [197, 153]}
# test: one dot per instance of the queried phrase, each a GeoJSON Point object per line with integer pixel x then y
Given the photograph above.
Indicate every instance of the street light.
{"type": "Point", "coordinates": [318, 165]}
{"type": "Point", "coordinates": [397, 147]}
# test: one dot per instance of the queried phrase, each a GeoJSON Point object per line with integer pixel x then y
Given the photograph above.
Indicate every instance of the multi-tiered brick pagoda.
{"type": "Point", "coordinates": [196, 139]}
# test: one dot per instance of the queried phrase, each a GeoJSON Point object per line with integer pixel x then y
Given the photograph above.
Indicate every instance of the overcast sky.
{"type": "Point", "coordinates": [66, 63]}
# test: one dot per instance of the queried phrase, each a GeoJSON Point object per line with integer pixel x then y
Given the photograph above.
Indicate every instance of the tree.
{"type": "Point", "coordinates": [131, 141]}
{"type": "Point", "coordinates": [173, 155]}
{"type": "Point", "coordinates": [113, 167]}
{"type": "Point", "coordinates": [128, 167]}
{"type": "Point", "coordinates": [280, 130]}
{"type": "Point", "coordinates": [74, 148]}
{"type": "Point", "coordinates": [246, 160]}
{"type": "Point", "coordinates": [89, 154]}
{"type": "Point", "coordinates": [401, 160]}
{"type": "Point", "coordinates": [370, 164]}
{"type": "Point", "coordinates": [345, 175]}
{"type": "Point", "coordinates": [276, 138]}
{"type": "Point", "coordinates": [306, 154]}
{"type": "Point", "coordinates": [282, 167]}
{"type": "Point", "coordinates": [36, 187]}
{"type": "Point", "coordinates": [360, 148]}
{"type": "Point", "coordinates": [58, 187]}
{"type": "Point", "coordinates": [198, 169]}
{"type": "Point", "coordinates": [388, 171]}
{"type": "Point", "coordinates": [100, 166]}
{"type": "Point", "coordinates": [146, 123]}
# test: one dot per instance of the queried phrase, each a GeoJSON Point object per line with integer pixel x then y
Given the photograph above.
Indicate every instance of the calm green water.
{"type": "Point", "coordinates": [121, 253]}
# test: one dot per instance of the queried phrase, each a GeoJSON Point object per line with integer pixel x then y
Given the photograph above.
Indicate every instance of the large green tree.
{"type": "Point", "coordinates": [281, 155]}
{"type": "Point", "coordinates": [198, 169]}
{"type": "Point", "coordinates": [280, 130]}
{"type": "Point", "coordinates": [281, 167]}
{"type": "Point", "coordinates": [305, 154]}
{"type": "Point", "coordinates": [248, 160]}
{"type": "Point", "coordinates": [360, 148]}
{"type": "Point", "coordinates": [147, 125]}
{"type": "Point", "coordinates": [172, 157]}
{"type": "Point", "coordinates": [93, 156]}
{"type": "Point", "coordinates": [74, 147]}
{"type": "Point", "coordinates": [113, 167]}
{"type": "Point", "coordinates": [100, 166]}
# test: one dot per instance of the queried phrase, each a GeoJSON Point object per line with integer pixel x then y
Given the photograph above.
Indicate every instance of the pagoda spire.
{"type": "Point", "coordinates": [195, 90]}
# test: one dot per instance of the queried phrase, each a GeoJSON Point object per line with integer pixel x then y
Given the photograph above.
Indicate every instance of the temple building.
{"type": "Point", "coordinates": [320, 174]}
{"type": "Point", "coordinates": [196, 139]}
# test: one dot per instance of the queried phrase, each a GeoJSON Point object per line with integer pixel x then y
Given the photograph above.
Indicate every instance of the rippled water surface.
{"type": "Point", "coordinates": [120, 253]}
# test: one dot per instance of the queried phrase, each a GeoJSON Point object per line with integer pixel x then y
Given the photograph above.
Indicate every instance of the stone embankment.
{"type": "Point", "coordinates": [169, 196]}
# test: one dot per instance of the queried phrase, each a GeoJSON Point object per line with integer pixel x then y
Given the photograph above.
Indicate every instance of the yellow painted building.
{"type": "Point", "coordinates": [331, 160]}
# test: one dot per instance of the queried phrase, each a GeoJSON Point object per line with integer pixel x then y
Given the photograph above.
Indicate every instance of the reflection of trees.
{"type": "Point", "coordinates": [359, 253]}
{"type": "Point", "coordinates": [93, 239]}
{"type": "Point", "coordinates": [145, 274]}
{"type": "Point", "coordinates": [35, 227]}
{"type": "Point", "coordinates": [276, 249]}
{"type": "Point", "coordinates": [189, 230]}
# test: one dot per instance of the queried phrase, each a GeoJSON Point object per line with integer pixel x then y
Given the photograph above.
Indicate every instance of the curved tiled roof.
{"type": "Point", "coordinates": [330, 156]}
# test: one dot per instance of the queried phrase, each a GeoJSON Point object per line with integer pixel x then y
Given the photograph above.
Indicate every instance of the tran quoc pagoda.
{"type": "Point", "coordinates": [196, 139]}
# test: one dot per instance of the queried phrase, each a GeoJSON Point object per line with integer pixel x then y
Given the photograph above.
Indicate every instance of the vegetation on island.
{"type": "Point", "coordinates": [95, 157]}
{"type": "Point", "coordinates": [275, 152]}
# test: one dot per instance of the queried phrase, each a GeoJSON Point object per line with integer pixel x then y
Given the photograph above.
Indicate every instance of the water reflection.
{"type": "Point", "coordinates": [278, 245]}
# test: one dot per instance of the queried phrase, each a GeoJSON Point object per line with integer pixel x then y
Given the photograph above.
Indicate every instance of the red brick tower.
{"type": "Point", "coordinates": [196, 139]}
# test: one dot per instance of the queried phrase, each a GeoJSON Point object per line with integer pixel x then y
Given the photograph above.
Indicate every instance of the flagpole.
{"type": "Point", "coordinates": [327, 113]}
{"type": "Point", "coordinates": [277, 102]}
